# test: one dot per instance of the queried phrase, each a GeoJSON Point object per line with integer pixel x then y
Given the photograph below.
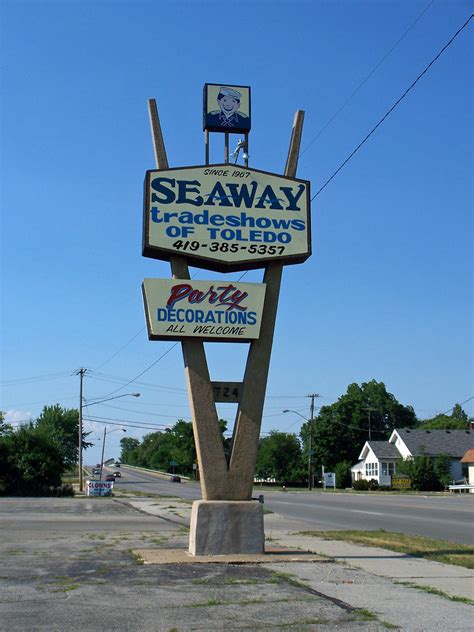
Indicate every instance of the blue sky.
{"type": "Point", "coordinates": [387, 294]}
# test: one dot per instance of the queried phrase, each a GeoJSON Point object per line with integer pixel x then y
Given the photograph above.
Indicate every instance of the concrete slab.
{"type": "Point", "coordinates": [271, 555]}
{"type": "Point", "coordinates": [221, 527]}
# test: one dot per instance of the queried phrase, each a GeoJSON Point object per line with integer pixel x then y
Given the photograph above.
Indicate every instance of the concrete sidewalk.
{"type": "Point", "coordinates": [394, 586]}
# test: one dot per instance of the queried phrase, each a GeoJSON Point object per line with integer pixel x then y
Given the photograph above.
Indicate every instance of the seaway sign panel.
{"type": "Point", "coordinates": [226, 217]}
{"type": "Point", "coordinates": [209, 310]}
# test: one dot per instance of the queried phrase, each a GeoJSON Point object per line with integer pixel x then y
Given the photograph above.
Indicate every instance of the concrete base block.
{"type": "Point", "coordinates": [223, 527]}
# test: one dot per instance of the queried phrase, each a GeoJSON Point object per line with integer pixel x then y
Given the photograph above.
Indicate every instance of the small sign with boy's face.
{"type": "Point", "coordinates": [226, 108]}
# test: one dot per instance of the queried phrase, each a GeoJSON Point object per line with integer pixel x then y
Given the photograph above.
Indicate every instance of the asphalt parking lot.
{"type": "Point", "coordinates": [67, 564]}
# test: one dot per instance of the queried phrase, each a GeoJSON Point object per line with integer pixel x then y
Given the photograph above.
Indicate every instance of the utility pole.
{"type": "Point", "coordinates": [369, 410]}
{"type": "Point", "coordinates": [310, 441]}
{"type": "Point", "coordinates": [102, 457]}
{"type": "Point", "coordinates": [81, 373]}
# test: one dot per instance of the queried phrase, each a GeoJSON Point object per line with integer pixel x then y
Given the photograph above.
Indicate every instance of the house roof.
{"type": "Point", "coordinates": [468, 457]}
{"type": "Point", "coordinates": [381, 449]}
{"type": "Point", "coordinates": [436, 442]}
{"type": "Point", "coordinates": [384, 450]}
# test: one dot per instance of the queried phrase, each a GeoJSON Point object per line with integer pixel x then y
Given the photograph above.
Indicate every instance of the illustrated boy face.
{"type": "Point", "coordinates": [228, 104]}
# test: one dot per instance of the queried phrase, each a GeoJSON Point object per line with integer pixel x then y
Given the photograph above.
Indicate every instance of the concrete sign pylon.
{"type": "Point", "coordinates": [222, 480]}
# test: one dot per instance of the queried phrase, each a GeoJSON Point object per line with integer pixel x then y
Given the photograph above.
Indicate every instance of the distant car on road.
{"type": "Point", "coordinates": [116, 464]}
{"type": "Point", "coordinates": [117, 474]}
{"type": "Point", "coordinates": [175, 479]}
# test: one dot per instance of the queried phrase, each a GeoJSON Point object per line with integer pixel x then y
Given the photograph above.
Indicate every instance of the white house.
{"type": "Point", "coordinates": [378, 459]}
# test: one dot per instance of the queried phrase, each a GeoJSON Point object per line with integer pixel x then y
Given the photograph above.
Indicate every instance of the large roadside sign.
{"type": "Point", "coordinates": [209, 310]}
{"type": "Point", "coordinates": [226, 217]}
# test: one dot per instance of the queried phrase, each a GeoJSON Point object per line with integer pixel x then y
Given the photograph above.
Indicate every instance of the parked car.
{"type": "Point", "coordinates": [110, 477]}
{"type": "Point", "coordinates": [95, 470]}
{"type": "Point", "coordinates": [175, 479]}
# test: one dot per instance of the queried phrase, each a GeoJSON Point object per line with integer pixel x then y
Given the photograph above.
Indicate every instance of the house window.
{"type": "Point", "coordinates": [371, 469]}
{"type": "Point", "coordinates": [388, 469]}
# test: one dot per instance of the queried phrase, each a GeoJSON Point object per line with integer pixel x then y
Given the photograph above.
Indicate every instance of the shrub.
{"type": "Point", "coordinates": [364, 485]}
{"type": "Point", "coordinates": [361, 485]}
{"type": "Point", "coordinates": [63, 491]}
{"type": "Point", "coordinates": [343, 474]}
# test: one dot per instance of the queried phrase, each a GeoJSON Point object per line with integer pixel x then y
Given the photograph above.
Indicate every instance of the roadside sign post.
{"type": "Point", "coordinates": [225, 218]}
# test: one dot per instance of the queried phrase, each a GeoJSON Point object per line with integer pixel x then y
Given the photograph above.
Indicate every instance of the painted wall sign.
{"type": "Point", "coordinates": [226, 108]}
{"type": "Point", "coordinates": [209, 310]}
{"type": "Point", "coordinates": [226, 217]}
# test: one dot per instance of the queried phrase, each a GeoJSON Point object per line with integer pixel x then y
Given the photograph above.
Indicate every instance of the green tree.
{"type": "Point", "coordinates": [341, 429]}
{"type": "Point", "coordinates": [129, 447]}
{"type": "Point", "coordinates": [343, 474]}
{"type": "Point", "coordinates": [421, 471]}
{"type": "Point", "coordinates": [158, 449]}
{"type": "Point", "coordinates": [62, 426]}
{"type": "Point", "coordinates": [279, 457]}
{"type": "Point", "coordinates": [31, 461]}
{"type": "Point", "coordinates": [457, 420]}
{"type": "Point", "coordinates": [5, 428]}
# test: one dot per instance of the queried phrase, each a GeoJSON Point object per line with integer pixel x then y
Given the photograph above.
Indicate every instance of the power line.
{"type": "Point", "coordinates": [144, 370]}
{"type": "Point", "coordinates": [452, 408]}
{"type": "Point", "coordinates": [364, 81]}
{"type": "Point", "coordinates": [115, 378]}
{"type": "Point", "coordinates": [127, 424]}
{"type": "Point", "coordinates": [413, 84]}
{"type": "Point", "coordinates": [37, 378]}
{"type": "Point", "coordinates": [121, 348]}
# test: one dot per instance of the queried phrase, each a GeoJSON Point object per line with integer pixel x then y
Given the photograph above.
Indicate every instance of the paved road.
{"type": "Point", "coordinates": [441, 517]}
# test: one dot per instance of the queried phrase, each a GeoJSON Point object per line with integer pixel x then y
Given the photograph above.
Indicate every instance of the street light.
{"type": "Point", "coordinates": [103, 448]}
{"type": "Point", "coordinates": [81, 404]}
{"type": "Point", "coordinates": [310, 448]}
{"type": "Point", "coordinates": [107, 399]}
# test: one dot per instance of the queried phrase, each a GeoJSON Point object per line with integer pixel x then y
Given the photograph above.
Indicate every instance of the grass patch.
{"type": "Point", "coordinates": [65, 584]}
{"type": "Point", "coordinates": [418, 546]}
{"type": "Point", "coordinates": [66, 588]}
{"type": "Point", "coordinates": [436, 591]}
{"type": "Point", "coordinates": [211, 602]}
{"type": "Point", "coordinates": [159, 540]}
{"type": "Point", "coordinates": [366, 615]}
{"type": "Point", "coordinates": [138, 558]}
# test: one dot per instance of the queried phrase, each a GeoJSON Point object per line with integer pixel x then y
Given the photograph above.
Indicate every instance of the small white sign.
{"type": "Point", "coordinates": [329, 479]}
{"type": "Point", "coordinates": [99, 488]}
{"type": "Point", "coordinates": [210, 310]}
